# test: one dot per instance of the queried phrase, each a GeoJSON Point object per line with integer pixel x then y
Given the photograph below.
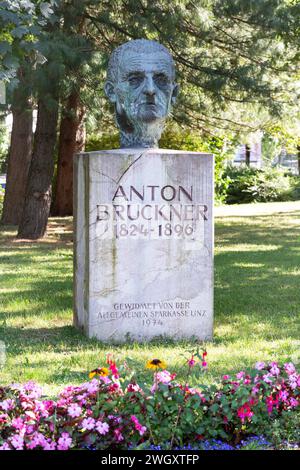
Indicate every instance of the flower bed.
{"type": "Point", "coordinates": [114, 410]}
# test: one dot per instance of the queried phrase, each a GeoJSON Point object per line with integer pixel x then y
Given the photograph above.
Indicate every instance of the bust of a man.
{"type": "Point", "coordinates": [141, 84]}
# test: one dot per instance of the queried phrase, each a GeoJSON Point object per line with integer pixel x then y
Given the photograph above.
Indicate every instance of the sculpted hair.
{"type": "Point", "coordinates": [139, 46]}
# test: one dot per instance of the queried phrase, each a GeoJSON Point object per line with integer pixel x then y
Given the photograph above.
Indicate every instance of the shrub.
{"type": "Point", "coordinates": [116, 412]}
{"type": "Point", "coordinates": [245, 185]}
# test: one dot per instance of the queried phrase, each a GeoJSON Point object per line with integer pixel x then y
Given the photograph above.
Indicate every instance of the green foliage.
{"type": "Point", "coordinates": [22, 24]}
{"type": "Point", "coordinates": [246, 184]}
{"type": "Point", "coordinates": [284, 429]}
{"type": "Point", "coordinates": [103, 142]}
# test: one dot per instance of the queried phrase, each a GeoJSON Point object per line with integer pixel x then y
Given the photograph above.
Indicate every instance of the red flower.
{"type": "Point", "coordinates": [245, 412]}
{"type": "Point", "coordinates": [112, 367]}
{"type": "Point", "coordinates": [191, 362]}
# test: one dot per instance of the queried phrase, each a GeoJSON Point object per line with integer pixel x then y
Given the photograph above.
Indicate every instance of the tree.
{"type": "Point", "coordinates": [71, 141]}
{"type": "Point", "coordinates": [61, 55]}
{"type": "Point", "coordinates": [230, 54]}
{"type": "Point", "coordinates": [19, 156]}
{"type": "Point", "coordinates": [22, 25]}
{"type": "Point", "coordinates": [72, 126]}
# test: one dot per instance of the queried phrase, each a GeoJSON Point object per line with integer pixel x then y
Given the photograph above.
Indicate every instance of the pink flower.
{"type": "Point", "coordinates": [64, 442]}
{"type": "Point", "coordinates": [92, 386]}
{"type": "Point", "coordinates": [7, 404]}
{"type": "Point", "coordinates": [293, 402]}
{"type": "Point", "coordinates": [293, 379]}
{"type": "Point", "coordinates": [5, 446]}
{"type": "Point", "coordinates": [191, 362]}
{"type": "Point", "coordinates": [271, 402]}
{"type": "Point", "coordinates": [17, 442]}
{"type": "Point", "coordinates": [101, 427]}
{"type": "Point", "coordinates": [106, 380]}
{"type": "Point", "coordinates": [49, 445]}
{"type": "Point", "coordinates": [164, 376]}
{"type": "Point", "coordinates": [141, 429]}
{"type": "Point", "coordinates": [274, 368]}
{"type": "Point", "coordinates": [118, 435]}
{"type": "Point", "coordinates": [204, 364]}
{"type": "Point", "coordinates": [31, 390]}
{"type": "Point", "coordinates": [283, 394]}
{"type": "Point", "coordinates": [114, 387]}
{"type": "Point", "coordinates": [17, 423]}
{"type": "Point", "coordinates": [289, 368]}
{"type": "Point", "coordinates": [74, 410]}
{"type": "Point", "coordinates": [260, 365]}
{"type": "Point", "coordinates": [240, 375]}
{"type": "Point", "coordinates": [37, 439]}
{"type": "Point", "coordinates": [88, 423]}
{"type": "Point", "coordinates": [225, 377]}
{"type": "Point", "coordinates": [133, 388]}
{"type": "Point", "coordinates": [267, 378]}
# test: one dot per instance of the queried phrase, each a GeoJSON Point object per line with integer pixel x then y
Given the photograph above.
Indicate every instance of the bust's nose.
{"type": "Point", "coordinates": [149, 88]}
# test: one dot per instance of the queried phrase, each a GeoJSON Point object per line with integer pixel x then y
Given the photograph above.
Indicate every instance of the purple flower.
{"type": "Point", "coordinates": [92, 386]}
{"type": "Point", "coordinates": [240, 375]}
{"type": "Point", "coordinates": [37, 439]}
{"type": "Point", "coordinates": [7, 404]}
{"type": "Point", "coordinates": [74, 410]}
{"type": "Point", "coordinates": [293, 402]}
{"type": "Point", "coordinates": [289, 368]}
{"type": "Point", "coordinates": [267, 378]}
{"type": "Point", "coordinates": [64, 442]}
{"type": "Point", "coordinates": [283, 394]}
{"type": "Point", "coordinates": [274, 368]}
{"type": "Point", "coordinates": [17, 442]}
{"type": "Point", "coordinates": [5, 446]}
{"type": "Point", "coordinates": [49, 445]}
{"type": "Point", "coordinates": [18, 423]}
{"type": "Point", "coordinates": [260, 365]}
{"type": "Point", "coordinates": [101, 427]}
{"type": "Point", "coordinates": [88, 423]}
{"type": "Point", "coordinates": [293, 378]}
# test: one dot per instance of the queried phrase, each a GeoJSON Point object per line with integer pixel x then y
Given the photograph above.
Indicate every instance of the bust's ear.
{"type": "Point", "coordinates": [174, 93]}
{"type": "Point", "coordinates": [110, 91]}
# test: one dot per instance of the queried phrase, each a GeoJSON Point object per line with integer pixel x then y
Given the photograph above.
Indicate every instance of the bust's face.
{"type": "Point", "coordinates": [145, 88]}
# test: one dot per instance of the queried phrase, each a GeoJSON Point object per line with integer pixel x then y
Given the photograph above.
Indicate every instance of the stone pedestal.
{"type": "Point", "coordinates": [143, 264]}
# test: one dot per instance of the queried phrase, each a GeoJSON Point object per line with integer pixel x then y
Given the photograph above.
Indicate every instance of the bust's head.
{"type": "Point", "coordinates": [141, 84]}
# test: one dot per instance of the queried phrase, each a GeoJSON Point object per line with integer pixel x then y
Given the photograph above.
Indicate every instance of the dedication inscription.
{"type": "Point", "coordinates": [143, 261]}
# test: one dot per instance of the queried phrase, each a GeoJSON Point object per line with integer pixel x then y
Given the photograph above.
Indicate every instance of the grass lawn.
{"type": "Point", "coordinates": [257, 301]}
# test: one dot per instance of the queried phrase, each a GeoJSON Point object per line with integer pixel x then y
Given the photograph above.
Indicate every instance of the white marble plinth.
{"type": "Point", "coordinates": [143, 264]}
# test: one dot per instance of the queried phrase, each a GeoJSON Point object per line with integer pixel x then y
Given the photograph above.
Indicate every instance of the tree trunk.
{"type": "Point", "coordinates": [71, 141]}
{"type": "Point", "coordinates": [38, 191]}
{"type": "Point", "coordinates": [298, 157]}
{"type": "Point", "coordinates": [18, 159]}
{"type": "Point", "coordinates": [247, 155]}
